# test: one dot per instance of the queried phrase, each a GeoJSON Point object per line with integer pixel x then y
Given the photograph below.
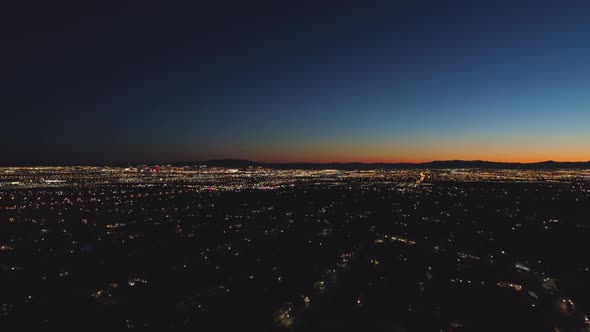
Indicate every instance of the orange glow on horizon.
{"type": "Point", "coordinates": [509, 158]}
{"type": "Point", "coordinates": [513, 150]}
{"type": "Point", "coordinates": [409, 161]}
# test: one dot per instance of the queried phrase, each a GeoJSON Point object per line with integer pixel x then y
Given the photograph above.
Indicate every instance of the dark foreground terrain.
{"type": "Point", "coordinates": [266, 250]}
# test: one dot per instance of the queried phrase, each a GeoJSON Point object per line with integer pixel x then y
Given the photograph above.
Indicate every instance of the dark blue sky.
{"type": "Point", "coordinates": [296, 81]}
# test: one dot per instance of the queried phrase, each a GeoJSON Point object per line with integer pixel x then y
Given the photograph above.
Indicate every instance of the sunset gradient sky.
{"type": "Point", "coordinates": [330, 81]}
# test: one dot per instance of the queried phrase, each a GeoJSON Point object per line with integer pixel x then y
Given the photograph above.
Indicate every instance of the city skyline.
{"type": "Point", "coordinates": [286, 166]}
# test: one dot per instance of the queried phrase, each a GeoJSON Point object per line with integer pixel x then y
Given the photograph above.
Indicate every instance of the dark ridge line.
{"type": "Point", "coordinates": [240, 163]}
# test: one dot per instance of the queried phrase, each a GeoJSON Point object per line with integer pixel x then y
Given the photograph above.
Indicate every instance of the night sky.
{"type": "Point", "coordinates": [295, 81]}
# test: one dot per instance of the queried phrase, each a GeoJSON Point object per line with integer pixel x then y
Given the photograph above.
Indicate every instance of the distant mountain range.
{"type": "Point", "coordinates": [240, 163]}
{"type": "Point", "coordinates": [444, 164]}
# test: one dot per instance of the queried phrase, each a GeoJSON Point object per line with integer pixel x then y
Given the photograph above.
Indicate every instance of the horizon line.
{"type": "Point", "coordinates": [38, 163]}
